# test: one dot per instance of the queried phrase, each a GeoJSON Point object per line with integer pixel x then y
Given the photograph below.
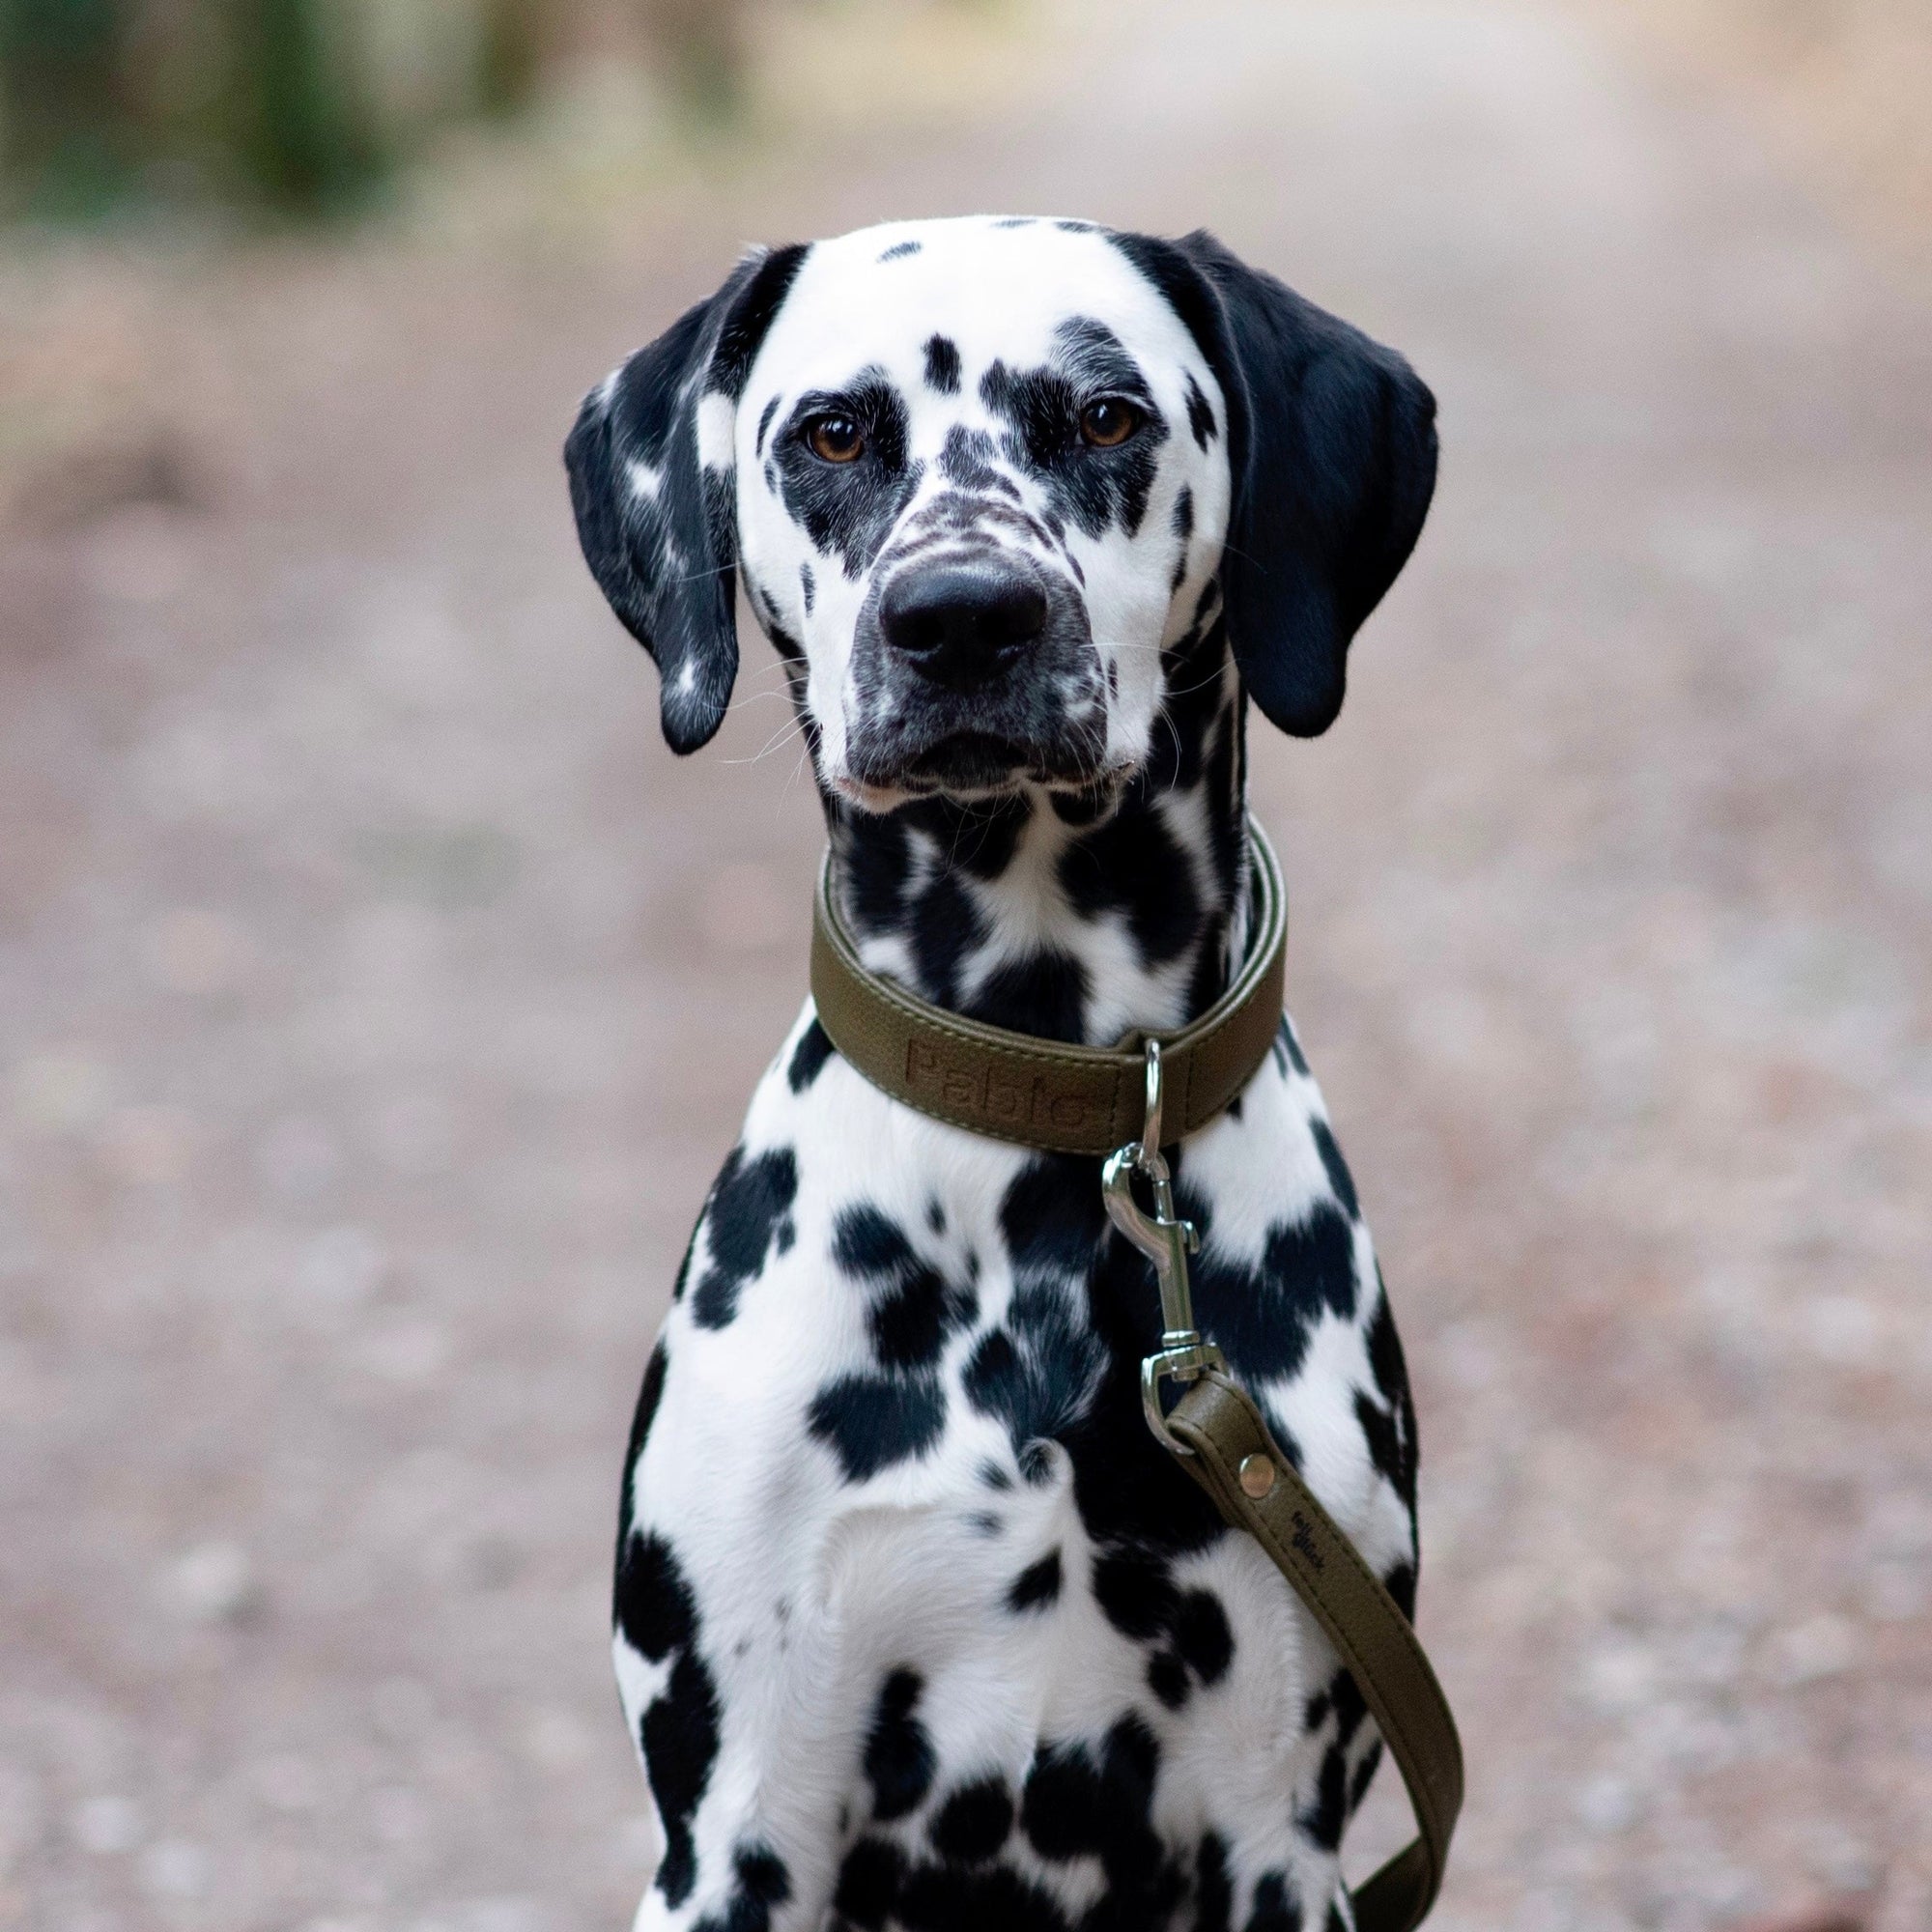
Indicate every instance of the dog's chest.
{"type": "Point", "coordinates": [906, 1587]}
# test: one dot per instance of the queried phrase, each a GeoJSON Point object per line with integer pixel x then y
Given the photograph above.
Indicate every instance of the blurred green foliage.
{"type": "Point", "coordinates": [295, 107]}
{"type": "Point", "coordinates": [701, 43]}
{"type": "Point", "coordinates": [296, 116]}
{"type": "Point", "coordinates": [65, 108]}
{"type": "Point", "coordinates": [107, 101]}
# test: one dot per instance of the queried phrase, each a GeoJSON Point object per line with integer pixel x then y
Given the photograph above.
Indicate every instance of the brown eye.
{"type": "Point", "coordinates": [1109, 422]}
{"type": "Point", "coordinates": [835, 438]}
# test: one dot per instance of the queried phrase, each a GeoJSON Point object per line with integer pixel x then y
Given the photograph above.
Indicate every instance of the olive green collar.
{"type": "Point", "coordinates": [1043, 1093]}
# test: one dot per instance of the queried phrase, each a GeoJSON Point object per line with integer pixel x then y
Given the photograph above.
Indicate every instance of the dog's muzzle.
{"type": "Point", "coordinates": [975, 670]}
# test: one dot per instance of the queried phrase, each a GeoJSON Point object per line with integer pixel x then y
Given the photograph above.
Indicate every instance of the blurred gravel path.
{"type": "Point", "coordinates": [377, 998]}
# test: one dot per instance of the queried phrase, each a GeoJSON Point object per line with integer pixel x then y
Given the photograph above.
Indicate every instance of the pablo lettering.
{"type": "Point", "coordinates": [993, 1092]}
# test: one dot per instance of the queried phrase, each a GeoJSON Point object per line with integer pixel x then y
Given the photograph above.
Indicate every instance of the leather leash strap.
{"type": "Point", "coordinates": [1098, 1100]}
{"type": "Point", "coordinates": [1217, 1420]}
{"type": "Point", "coordinates": [1042, 1093]}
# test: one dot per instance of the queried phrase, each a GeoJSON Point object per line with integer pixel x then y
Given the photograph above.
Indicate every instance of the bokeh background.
{"type": "Point", "coordinates": [378, 996]}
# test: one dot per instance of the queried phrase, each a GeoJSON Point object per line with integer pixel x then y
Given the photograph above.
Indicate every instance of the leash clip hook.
{"type": "Point", "coordinates": [1166, 1240]}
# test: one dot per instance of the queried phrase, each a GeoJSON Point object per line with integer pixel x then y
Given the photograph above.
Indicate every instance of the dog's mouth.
{"type": "Point", "coordinates": [983, 764]}
{"type": "Point", "coordinates": [979, 765]}
{"type": "Point", "coordinates": [972, 761]}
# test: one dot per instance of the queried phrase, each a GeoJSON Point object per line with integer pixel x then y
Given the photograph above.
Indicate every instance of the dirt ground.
{"type": "Point", "coordinates": [378, 996]}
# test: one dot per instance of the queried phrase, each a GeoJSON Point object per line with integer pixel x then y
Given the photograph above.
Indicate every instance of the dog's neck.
{"type": "Point", "coordinates": [1071, 918]}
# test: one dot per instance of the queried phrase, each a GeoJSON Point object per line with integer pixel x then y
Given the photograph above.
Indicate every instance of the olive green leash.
{"type": "Point", "coordinates": [1117, 1101]}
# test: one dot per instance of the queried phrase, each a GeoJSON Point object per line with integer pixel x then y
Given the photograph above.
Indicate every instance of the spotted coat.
{"type": "Point", "coordinates": [915, 1625]}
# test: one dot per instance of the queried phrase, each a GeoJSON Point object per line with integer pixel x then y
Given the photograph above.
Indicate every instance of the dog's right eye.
{"type": "Point", "coordinates": [835, 438]}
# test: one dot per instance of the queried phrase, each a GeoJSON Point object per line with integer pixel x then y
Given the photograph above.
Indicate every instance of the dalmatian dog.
{"type": "Point", "coordinates": [916, 1623]}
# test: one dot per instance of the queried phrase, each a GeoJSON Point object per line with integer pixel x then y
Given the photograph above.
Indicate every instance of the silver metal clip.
{"type": "Point", "coordinates": [1167, 1241]}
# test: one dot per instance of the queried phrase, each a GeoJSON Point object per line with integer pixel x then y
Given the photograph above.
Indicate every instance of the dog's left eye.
{"type": "Point", "coordinates": [835, 438]}
{"type": "Point", "coordinates": [1108, 423]}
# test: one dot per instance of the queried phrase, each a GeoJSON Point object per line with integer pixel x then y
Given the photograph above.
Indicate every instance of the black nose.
{"type": "Point", "coordinates": [962, 623]}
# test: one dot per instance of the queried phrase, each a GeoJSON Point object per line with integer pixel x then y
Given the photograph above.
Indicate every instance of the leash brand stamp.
{"type": "Point", "coordinates": [1303, 1540]}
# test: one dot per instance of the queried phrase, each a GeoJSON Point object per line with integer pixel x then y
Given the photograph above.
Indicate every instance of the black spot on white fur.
{"type": "Point", "coordinates": [1080, 1801]}
{"type": "Point", "coordinates": [974, 1822]}
{"type": "Point", "coordinates": [678, 1732]}
{"type": "Point", "coordinates": [1199, 413]}
{"type": "Point", "coordinates": [1188, 1629]}
{"type": "Point", "coordinates": [967, 459]}
{"type": "Point", "coordinates": [1214, 1893]}
{"type": "Point", "coordinates": [1277, 1908]}
{"type": "Point", "coordinates": [746, 1218]}
{"type": "Point", "coordinates": [1389, 1426]}
{"type": "Point", "coordinates": [942, 364]}
{"type": "Point", "coordinates": [808, 1057]}
{"type": "Point", "coordinates": [911, 1307]}
{"type": "Point", "coordinates": [868, 1883]}
{"type": "Point", "coordinates": [759, 1883]}
{"type": "Point", "coordinates": [645, 1413]}
{"type": "Point", "coordinates": [1337, 1169]}
{"type": "Point", "coordinates": [899, 1760]}
{"type": "Point", "coordinates": [1292, 1047]}
{"type": "Point", "coordinates": [1158, 897]}
{"type": "Point", "coordinates": [1035, 1371]}
{"type": "Point", "coordinates": [1263, 1315]}
{"type": "Point", "coordinates": [871, 1422]}
{"type": "Point", "coordinates": [1037, 1585]}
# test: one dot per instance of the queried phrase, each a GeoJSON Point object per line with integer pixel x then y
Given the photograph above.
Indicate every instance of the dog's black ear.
{"type": "Point", "coordinates": [652, 482]}
{"type": "Point", "coordinates": [1331, 448]}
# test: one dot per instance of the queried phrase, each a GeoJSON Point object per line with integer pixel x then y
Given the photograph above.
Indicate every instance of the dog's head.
{"type": "Point", "coordinates": [980, 475]}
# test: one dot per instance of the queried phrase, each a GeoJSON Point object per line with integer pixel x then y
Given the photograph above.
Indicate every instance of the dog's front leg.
{"type": "Point", "coordinates": [747, 1691]}
{"type": "Point", "coordinates": [745, 1671]}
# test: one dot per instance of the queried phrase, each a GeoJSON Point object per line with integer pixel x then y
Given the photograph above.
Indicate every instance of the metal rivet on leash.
{"type": "Point", "coordinates": [1257, 1476]}
{"type": "Point", "coordinates": [1167, 1241]}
